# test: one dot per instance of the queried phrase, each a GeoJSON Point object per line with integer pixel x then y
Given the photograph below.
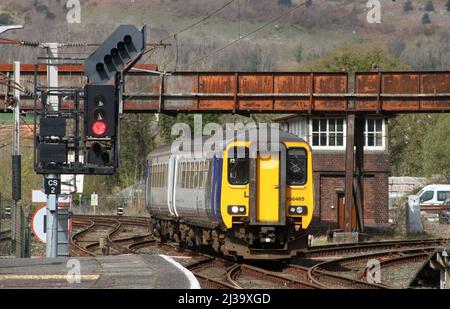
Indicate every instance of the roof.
{"type": "Point", "coordinates": [244, 136]}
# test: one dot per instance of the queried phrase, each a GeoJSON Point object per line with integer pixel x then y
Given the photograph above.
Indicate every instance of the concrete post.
{"type": "Point", "coordinates": [413, 216]}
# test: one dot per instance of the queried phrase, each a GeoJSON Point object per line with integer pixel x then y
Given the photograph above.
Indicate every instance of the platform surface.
{"type": "Point", "coordinates": [114, 272]}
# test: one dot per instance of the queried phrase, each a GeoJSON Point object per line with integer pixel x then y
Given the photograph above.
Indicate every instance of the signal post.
{"type": "Point", "coordinates": [60, 134]}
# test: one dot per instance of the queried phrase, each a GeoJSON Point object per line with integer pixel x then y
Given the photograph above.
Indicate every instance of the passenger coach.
{"type": "Point", "coordinates": [250, 206]}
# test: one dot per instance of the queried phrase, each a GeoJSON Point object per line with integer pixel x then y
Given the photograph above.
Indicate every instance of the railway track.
{"type": "Point", "coordinates": [86, 242]}
{"type": "Point", "coordinates": [334, 266]}
{"type": "Point", "coordinates": [350, 272]}
{"type": "Point", "coordinates": [339, 250]}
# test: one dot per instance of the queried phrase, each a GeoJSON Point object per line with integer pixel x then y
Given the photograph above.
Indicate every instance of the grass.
{"type": "Point", "coordinates": [7, 118]}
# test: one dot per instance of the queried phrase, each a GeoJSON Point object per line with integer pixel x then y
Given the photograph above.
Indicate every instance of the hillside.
{"type": "Point", "coordinates": [287, 44]}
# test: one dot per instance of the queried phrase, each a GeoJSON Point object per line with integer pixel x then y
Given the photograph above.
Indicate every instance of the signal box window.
{"type": "Point", "coordinates": [296, 167]}
{"type": "Point", "coordinates": [328, 132]}
{"type": "Point", "coordinates": [374, 133]}
{"type": "Point", "coordinates": [238, 166]}
{"type": "Point", "coordinates": [427, 196]}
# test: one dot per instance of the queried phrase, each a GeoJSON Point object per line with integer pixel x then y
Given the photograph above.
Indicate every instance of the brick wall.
{"type": "Point", "coordinates": [329, 177]}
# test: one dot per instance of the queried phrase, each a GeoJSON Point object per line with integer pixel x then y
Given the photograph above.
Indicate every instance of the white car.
{"type": "Point", "coordinates": [434, 194]}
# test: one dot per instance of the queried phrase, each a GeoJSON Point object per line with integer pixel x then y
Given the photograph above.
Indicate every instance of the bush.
{"type": "Point", "coordinates": [6, 19]}
{"type": "Point", "coordinates": [426, 20]}
{"type": "Point", "coordinates": [42, 8]}
{"type": "Point", "coordinates": [408, 6]}
{"type": "Point", "coordinates": [429, 7]}
{"type": "Point", "coordinates": [50, 15]}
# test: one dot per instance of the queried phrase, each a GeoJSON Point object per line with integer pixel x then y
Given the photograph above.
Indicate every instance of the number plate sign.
{"type": "Point", "coordinates": [52, 186]}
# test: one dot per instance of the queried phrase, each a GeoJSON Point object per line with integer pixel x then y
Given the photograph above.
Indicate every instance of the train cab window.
{"type": "Point", "coordinates": [238, 166]}
{"type": "Point", "coordinates": [296, 167]}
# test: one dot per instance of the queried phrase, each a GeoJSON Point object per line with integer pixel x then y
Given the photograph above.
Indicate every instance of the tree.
{"type": "Point", "coordinates": [426, 20]}
{"type": "Point", "coordinates": [406, 137]}
{"type": "Point", "coordinates": [436, 149]}
{"type": "Point", "coordinates": [429, 7]}
{"type": "Point", "coordinates": [448, 6]}
{"type": "Point", "coordinates": [408, 6]}
{"type": "Point", "coordinates": [356, 57]}
{"type": "Point", "coordinates": [308, 3]}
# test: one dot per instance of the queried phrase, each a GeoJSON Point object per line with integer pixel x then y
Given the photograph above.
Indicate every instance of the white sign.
{"type": "Point", "coordinates": [38, 196]}
{"type": "Point", "coordinates": [69, 182]}
{"type": "Point", "coordinates": [94, 199]}
{"type": "Point", "coordinates": [38, 224]}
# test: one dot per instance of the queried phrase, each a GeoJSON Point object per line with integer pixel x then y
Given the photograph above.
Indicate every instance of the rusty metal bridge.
{"type": "Point", "coordinates": [353, 95]}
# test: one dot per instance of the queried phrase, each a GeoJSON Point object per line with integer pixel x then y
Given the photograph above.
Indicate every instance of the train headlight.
{"type": "Point", "coordinates": [298, 210]}
{"type": "Point", "coordinates": [237, 210]}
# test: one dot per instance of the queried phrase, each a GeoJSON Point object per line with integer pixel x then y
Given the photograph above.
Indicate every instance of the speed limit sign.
{"type": "Point", "coordinates": [52, 186]}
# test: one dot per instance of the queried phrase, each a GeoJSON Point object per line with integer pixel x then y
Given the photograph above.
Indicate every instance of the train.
{"type": "Point", "coordinates": [246, 206]}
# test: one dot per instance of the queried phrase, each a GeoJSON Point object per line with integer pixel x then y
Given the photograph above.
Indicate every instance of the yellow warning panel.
{"type": "Point", "coordinates": [268, 188]}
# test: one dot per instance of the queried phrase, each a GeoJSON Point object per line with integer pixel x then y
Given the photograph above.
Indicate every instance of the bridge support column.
{"type": "Point", "coordinates": [354, 173]}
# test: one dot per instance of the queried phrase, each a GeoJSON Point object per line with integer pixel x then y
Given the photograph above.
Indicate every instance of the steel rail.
{"type": "Point", "coordinates": [322, 251]}
{"type": "Point", "coordinates": [322, 275]}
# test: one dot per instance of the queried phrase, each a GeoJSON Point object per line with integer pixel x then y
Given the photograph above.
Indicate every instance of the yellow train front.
{"type": "Point", "coordinates": [249, 203]}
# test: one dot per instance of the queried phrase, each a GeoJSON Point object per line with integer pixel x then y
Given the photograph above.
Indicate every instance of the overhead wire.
{"type": "Point", "coordinates": [247, 34]}
{"type": "Point", "coordinates": [199, 21]}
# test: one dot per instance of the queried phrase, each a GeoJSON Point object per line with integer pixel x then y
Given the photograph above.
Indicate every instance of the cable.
{"type": "Point", "coordinates": [200, 21]}
{"type": "Point", "coordinates": [248, 34]}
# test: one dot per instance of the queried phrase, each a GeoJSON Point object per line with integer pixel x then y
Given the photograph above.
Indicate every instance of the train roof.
{"type": "Point", "coordinates": [244, 136]}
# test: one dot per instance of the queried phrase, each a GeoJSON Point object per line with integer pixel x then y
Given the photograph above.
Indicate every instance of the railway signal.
{"type": "Point", "coordinates": [101, 116]}
{"type": "Point", "coordinates": [100, 111]}
{"type": "Point", "coordinates": [8, 211]}
{"type": "Point", "coordinates": [120, 211]}
{"type": "Point", "coordinates": [99, 155]}
{"type": "Point", "coordinates": [122, 49]}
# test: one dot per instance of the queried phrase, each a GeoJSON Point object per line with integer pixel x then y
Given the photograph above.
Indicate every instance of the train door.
{"type": "Point", "coordinates": [268, 188]}
{"type": "Point", "coordinates": [171, 185]}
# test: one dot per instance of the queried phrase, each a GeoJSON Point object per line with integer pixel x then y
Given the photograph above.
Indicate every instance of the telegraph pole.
{"type": "Point", "coordinates": [16, 166]}
{"type": "Point", "coordinates": [16, 234]}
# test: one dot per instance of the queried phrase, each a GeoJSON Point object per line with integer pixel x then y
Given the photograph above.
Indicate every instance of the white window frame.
{"type": "Point", "coordinates": [328, 126]}
{"type": "Point", "coordinates": [341, 148]}
{"type": "Point", "coordinates": [383, 135]}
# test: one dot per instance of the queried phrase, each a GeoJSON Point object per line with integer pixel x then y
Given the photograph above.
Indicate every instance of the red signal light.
{"type": "Point", "coordinates": [99, 128]}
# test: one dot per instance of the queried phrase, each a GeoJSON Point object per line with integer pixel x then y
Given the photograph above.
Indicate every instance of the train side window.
{"type": "Point", "coordinates": [205, 173]}
{"type": "Point", "coordinates": [159, 175]}
{"type": "Point", "coordinates": [158, 178]}
{"type": "Point", "coordinates": [164, 175]}
{"type": "Point", "coordinates": [183, 175]}
{"type": "Point", "coordinates": [296, 167]}
{"type": "Point", "coordinates": [201, 175]}
{"type": "Point", "coordinates": [189, 174]}
{"type": "Point", "coordinates": [238, 166]}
